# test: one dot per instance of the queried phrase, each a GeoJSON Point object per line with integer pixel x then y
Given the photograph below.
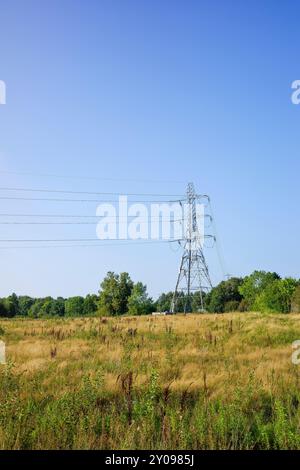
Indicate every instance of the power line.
{"type": "Point", "coordinates": [91, 245]}
{"type": "Point", "coordinates": [78, 200]}
{"type": "Point", "coordinates": [80, 215]}
{"type": "Point", "coordinates": [88, 192]}
{"type": "Point", "coordinates": [96, 178]}
{"type": "Point", "coordinates": [73, 240]}
{"type": "Point", "coordinates": [114, 217]}
{"type": "Point", "coordinates": [145, 221]}
{"type": "Point", "coordinates": [51, 215]}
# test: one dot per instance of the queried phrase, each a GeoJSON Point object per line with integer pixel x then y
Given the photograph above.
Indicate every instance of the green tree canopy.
{"type": "Point", "coordinates": [276, 296]}
{"type": "Point", "coordinates": [163, 302]}
{"type": "Point", "coordinates": [90, 305]}
{"type": "Point", "coordinates": [114, 293]}
{"type": "Point", "coordinates": [12, 305]}
{"type": "Point", "coordinates": [74, 306]}
{"type": "Point", "coordinates": [254, 285]}
{"type": "Point", "coordinates": [295, 301]}
{"type": "Point", "coordinates": [139, 303]}
{"type": "Point", "coordinates": [225, 296]}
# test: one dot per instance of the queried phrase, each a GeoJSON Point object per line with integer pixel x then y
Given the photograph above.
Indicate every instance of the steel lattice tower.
{"type": "Point", "coordinates": [193, 273]}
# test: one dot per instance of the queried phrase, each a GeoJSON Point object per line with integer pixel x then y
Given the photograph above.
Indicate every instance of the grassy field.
{"type": "Point", "coordinates": [182, 382]}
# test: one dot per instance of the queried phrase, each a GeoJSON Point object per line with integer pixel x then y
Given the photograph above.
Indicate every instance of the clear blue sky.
{"type": "Point", "coordinates": [152, 90]}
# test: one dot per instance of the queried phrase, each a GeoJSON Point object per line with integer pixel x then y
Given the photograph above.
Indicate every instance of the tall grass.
{"type": "Point", "coordinates": [194, 382]}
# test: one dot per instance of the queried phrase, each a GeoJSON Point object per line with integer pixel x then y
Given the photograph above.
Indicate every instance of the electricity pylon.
{"type": "Point", "coordinates": [193, 273]}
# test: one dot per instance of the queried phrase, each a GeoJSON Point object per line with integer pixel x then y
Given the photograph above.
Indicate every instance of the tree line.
{"type": "Point", "coordinates": [119, 295]}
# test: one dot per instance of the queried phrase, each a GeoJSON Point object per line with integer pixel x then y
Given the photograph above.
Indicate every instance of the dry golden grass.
{"type": "Point", "coordinates": [216, 357]}
{"type": "Point", "coordinates": [181, 348]}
